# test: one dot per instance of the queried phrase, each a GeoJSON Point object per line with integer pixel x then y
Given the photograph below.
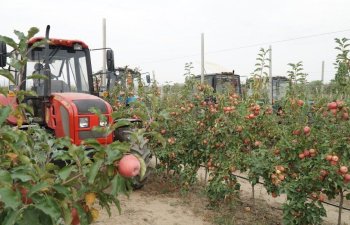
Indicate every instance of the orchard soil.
{"type": "Point", "coordinates": [161, 202]}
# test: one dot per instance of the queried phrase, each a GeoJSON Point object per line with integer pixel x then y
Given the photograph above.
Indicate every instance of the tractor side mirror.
{"type": "Point", "coordinates": [110, 60]}
{"type": "Point", "coordinates": [3, 54]}
{"type": "Point", "coordinates": [148, 79]}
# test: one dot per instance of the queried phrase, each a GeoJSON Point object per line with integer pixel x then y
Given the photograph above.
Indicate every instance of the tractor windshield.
{"type": "Point", "coordinates": [68, 69]}
{"type": "Point", "coordinates": [228, 82]}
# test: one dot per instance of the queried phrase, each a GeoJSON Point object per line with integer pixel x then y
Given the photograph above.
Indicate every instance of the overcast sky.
{"type": "Point", "coordinates": [161, 35]}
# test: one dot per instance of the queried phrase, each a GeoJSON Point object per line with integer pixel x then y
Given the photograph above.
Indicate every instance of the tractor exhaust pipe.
{"type": "Point", "coordinates": [47, 82]}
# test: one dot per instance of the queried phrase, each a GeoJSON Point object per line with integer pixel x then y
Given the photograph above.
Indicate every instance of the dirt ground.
{"type": "Point", "coordinates": [155, 204]}
{"type": "Point", "coordinates": [160, 203]}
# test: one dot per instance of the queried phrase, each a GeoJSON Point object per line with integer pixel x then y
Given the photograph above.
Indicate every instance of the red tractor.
{"type": "Point", "coordinates": [65, 97]}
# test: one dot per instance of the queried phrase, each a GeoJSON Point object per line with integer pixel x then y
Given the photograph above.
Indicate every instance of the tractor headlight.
{"type": "Point", "coordinates": [103, 123]}
{"type": "Point", "coordinates": [83, 122]}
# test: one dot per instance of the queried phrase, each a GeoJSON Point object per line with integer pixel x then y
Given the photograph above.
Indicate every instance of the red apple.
{"type": "Point", "coordinates": [24, 192]}
{"type": "Point", "coordinates": [307, 130]}
{"type": "Point", "coordinates": [306, 153]}
{"type": "Point", "coordinates": [312, 151]}
{"type": "Point", "coordinates": [257, 143]}
{"type": "Point", "coordinates": [323, 173]}
{"type": "Point", "coordinates": [281, 177]}
{"type": "Point", "coordinates": [296, 132]}
{"type": "Point", "coordinates": [75, 216]}
{"type": "Point", "coordinates": [239, 129]}
{"type": "Point", "coordinates": [334, 112]}
{"type": "Point", "coordinates": [332, 105]}
{"type": "Point", "coordinates": [339, 103]}
{"type": "Point", "coordinates": [251, 116]}
{"type": "Point", "coordinates": [343, 169]}
{"type": "Point", "coordinates": [335, 158]}
{"type": "Point", "coordinates": [129, 166]}
{"type": "Point", "coordinates": [329, 157]}
{"type": "Point", "coordinates": [300, 102]}
{"type": "Point", "coordinates": [321, 197]}
{"type": "Point", "coordinates": [334, 163]}
{"type": "Point", "coordinates": [347, 178]}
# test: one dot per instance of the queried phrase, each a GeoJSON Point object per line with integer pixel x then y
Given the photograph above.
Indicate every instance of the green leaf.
{"type": "Point", "coordinates": [164, 114]}
{"type": "Point", "coordinates": [10, 198]}
{"type": "Point", "coordinates": [122, 147]}
{"type": "Point", "coordinates": [5, 177]}
{"type": "Point", "coordinates": [65, 172]}
{"type": "Point", "coordinates": [21, 176]}
{"type": "Point", "coordinates": [38, 187]}
{"type": "Point", "coordinates": [62, 190]}
{"type": "Point", "coordinates": [19, 34]}
{"type": "Point", "coordinates": [36, 44]}
{"type": "Point", "coordinates": [32, 31]}
{"type": "Point", "coordinates": [11, 217]}
{"type": "Point", "coordinates": [117, 204]}
{"type": "Point", "coordinates": [114, 183]}
{"type": "Point", "coordinates": [37, 76]}
{"type": "Point", "coordinates": [347, 196]}
{"type": "Point", "coordinates": [93, 171]}
{"type": "Point", "coordinates": [122, 123]}
{"type": "Point", "coordinates": [4, 113]}
{"type": "Point", "coordinates": [92, 143]}
{"type": "Point", "coordinates": [143, 166]}
{"type": "Point", "coordinates": [31, 215]}
{"type": "Point", "coordinates": [8, 41]}
{"type": "Point", "coordinates": [24, 159]}
{"type": "Point", "coordinates": [118, 185]}
{"type": "Point", "coordinates": [7, 74]}
{"type": "Point", "coordinates": [112, 154]}
{"type": "Point", "coordinates": [49, 206]}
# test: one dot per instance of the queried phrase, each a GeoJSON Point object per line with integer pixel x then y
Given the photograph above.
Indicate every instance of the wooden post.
{"type": "Point", "coordinates": [202, 58]}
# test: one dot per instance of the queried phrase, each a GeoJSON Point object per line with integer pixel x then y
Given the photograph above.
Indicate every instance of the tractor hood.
{"type": "Point", "coordinates": [69, 115]}
{"type": "Point", "coordinates": [83, 102]}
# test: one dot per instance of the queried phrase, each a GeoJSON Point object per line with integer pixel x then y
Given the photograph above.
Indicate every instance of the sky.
{"type": "Point", "coordinates": [161, 36]}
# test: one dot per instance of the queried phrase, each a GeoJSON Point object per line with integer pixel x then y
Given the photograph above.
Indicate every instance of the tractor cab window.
{"type": "Point", "coordinates": [68, 70]}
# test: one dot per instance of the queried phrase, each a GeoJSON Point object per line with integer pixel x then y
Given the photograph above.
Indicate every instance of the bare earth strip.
{"type": "Point", "coordinates": [142, 208]}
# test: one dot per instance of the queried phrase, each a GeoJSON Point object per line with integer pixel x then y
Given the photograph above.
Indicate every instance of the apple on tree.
{"type": "Point", "coordinates": [129, 166]}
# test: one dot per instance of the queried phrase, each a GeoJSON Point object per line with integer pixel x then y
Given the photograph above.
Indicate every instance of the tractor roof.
{"type": "Point", "coordinates": [62, 42]}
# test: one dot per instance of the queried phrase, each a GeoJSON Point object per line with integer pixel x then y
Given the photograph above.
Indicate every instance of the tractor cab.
{"type": "Point", "coordinates": [280, 86]}
{"type": "Point", "coordinates": [68, 67]}
{"type": "Point", "coordinates": [64, 67]}
{"type": "Point", "coordinates": [221, 82]}
{"type": "Point", "coordinates": [125, 78]}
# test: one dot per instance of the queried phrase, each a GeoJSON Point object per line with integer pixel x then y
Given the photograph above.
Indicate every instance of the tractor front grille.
{"type": "Point", "coordinates": [90, 134]}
